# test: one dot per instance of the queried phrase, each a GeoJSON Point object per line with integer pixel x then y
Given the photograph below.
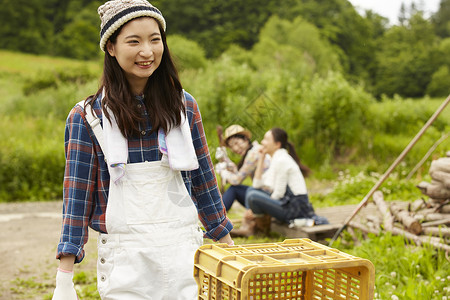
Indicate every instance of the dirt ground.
{"type": "Point", "coordinates": [29, 234]}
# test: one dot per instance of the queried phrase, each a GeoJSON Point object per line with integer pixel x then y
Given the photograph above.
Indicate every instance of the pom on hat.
{"type": "Point", "coordinates": [115, 13]}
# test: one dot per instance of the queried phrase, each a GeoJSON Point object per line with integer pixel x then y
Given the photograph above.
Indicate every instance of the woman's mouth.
{"type": "Point", "coordinates": [144, 63]}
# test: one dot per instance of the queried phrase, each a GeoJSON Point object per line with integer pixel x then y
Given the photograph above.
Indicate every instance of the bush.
{"type": "Point", "coordinates": [334, 114]}
{"type": "Point", "coordinates": [32, 160]}
{"type": "Point", "coordinates": [186, 53]}
{"type": "Point", "coordinates": [55, 78]}
{"type": "Point", "coordinates": [439, 83]}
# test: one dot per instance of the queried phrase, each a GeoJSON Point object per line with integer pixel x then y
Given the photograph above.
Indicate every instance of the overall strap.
{"type": "Point", "coordinates": [94, 122]}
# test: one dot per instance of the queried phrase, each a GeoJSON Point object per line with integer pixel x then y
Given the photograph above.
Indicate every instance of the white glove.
{"type": "Point", "coordinates": [221, 154]}
{"type": "Point", "coordinates": [64, 286]}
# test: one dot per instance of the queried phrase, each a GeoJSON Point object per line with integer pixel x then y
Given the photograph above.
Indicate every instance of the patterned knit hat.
{"type": "Point", "coordinates": [115, 13]}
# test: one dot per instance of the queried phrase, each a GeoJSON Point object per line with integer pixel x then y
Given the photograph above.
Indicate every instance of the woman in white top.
{"type": "Point", "coordinates": [281, 191]}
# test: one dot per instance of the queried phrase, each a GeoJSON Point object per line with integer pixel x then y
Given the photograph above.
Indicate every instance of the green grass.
{"type": "Point", "coordinates": [28, 64]}
{"type": "Point", "coordinates": [32, 128]}
{"type": "Point", "coordinates": [403, 271]}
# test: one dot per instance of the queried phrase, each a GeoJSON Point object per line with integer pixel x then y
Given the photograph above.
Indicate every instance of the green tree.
{"type": "Point", "coordinates": [407, 59]}
{"type": "Point", "coordinates": [217, 24]}
{"type": "Point", "coordinates": [441, 19]}
{"type": "Point", "coordinates": [439, 85]}
{"type": "Point", "coordinates": [352, 35]}
{"type": "Point", "coordinates": [295, 47]}
{"type": "Point", "coordinates": [24, 26]}
{"type": "Point", "coordinates": [80, 38]}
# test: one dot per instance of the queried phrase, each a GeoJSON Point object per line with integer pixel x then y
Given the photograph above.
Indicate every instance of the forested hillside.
{"type": "Point", "coordinates": [410, 59]}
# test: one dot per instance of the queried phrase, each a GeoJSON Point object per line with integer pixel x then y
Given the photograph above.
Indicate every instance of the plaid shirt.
{"type": "Point", "coordinates": [86, 178]}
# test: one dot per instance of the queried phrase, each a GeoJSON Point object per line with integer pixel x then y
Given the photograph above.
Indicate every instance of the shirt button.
{"type": "Point", "coordinates": [103, 278]}
{"type": "Point", "coordinates": [104, 241]}
{"type": "Point", "coordinates": [143, 132]}
{"type": "Point", "coordinates": [102, 260]}
{"type": "Point", "coordinates": [139, 105]}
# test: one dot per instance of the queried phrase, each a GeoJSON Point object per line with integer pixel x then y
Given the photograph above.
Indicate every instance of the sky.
{"type": "Point", "coordinates": [391, 8]}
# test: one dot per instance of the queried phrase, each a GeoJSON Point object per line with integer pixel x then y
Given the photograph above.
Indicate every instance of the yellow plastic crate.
{"type": "Point", "coordinates": [293, 269]}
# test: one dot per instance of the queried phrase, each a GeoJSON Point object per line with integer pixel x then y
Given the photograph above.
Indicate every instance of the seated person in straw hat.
{"type": "Point", "coordinates": [238, 139]}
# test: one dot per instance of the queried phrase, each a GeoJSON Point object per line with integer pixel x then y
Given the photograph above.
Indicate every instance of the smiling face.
{"type": "Point", "coordinates": [269, 144]}
{"type": "Point", "coordinates": [138, 50]}
{"type": "Point", "coordinates": [238, 145]}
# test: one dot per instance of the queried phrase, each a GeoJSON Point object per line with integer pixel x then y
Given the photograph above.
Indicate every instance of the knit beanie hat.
{"type": "Point", "coordinates": [115, 13]}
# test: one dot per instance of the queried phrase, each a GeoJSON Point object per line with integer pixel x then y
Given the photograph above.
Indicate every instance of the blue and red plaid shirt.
{"type": "Point", "coordinates": [86, 178]}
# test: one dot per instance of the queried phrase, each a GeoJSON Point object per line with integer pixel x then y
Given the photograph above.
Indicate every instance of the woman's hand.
{"type": "Point", "coordinates": [227, 240]}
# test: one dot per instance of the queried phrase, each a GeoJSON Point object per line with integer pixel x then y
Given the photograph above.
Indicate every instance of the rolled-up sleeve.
{"type": "Point", "coordinates": [79, 182]}
{"type": "Point", "coordinates": [205, 192]}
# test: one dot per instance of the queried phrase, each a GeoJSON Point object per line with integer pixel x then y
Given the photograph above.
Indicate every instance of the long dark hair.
{"type": "Point", "coordinates": [250, 146]}
{"type": "Point", "coordinates": [162, 94]}
{"type": "Point", "coordinates": [281, 136]}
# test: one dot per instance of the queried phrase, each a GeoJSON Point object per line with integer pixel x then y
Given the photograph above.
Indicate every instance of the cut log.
{"type": "Point", "coordinates": [388, 219]}
{"type": "Point", "coordinates": [419, 240]}
{"type": "Point", "coordinates": [445, 209]}
{"type": "Point", "coordinates": [421, 214]}
{"type": "Point", "coordinates": [417, 205]}
{"type": "Point", "coordinates": [440, 164]}
{"type": "Point", "coordinates": [437, 231]}
{"type": "Point", "coordinates": [444, 221]}
{"type": "Point", "coordinates": [435, 217]}
{"type": "Point", "coordinates": [442, 177]}
{"type": "Point", "coordinates": [434, 190]}
{"type": "Point", "coordinates": [411, 224]}
{"type": "Point", "coordinates": [365, 229]}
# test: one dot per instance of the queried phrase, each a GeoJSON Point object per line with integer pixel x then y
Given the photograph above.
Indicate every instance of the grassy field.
{"type": "Point", "coordinates": [37, 92]}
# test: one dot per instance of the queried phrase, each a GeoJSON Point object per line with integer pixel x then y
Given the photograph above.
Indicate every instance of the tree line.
{"type": "Point", "coordinates": [409, 59]}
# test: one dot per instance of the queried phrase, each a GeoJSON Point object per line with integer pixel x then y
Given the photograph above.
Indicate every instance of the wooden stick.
{"type": "Point", "coordinates": [411, 224]}
{"type": "Point", "coordinates": [391, 168]}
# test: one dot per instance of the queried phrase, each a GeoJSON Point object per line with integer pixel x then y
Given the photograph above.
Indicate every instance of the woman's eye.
{"type": "Point", "coordinates": [133, 42]}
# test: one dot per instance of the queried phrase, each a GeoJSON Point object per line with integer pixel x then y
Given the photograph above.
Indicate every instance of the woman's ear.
{"type": "Point", "coordinates": [110, 48]}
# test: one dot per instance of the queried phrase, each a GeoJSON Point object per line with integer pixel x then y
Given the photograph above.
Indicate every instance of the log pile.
{"type": "Point", "coordinates": [421, 221]}
{"type": "Point", "coordinates": [439, 187]}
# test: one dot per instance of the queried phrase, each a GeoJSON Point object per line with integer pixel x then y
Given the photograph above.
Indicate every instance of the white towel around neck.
{"type": "Point", "coordinates": [176, 144]}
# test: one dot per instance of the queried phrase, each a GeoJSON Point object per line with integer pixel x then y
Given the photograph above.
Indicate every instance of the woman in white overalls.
{"type": "Point", "coordinates": [138, 168]}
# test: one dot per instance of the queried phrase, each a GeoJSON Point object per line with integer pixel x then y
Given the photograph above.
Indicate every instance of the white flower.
{"type": "Point", "coordinates": [394, 297]}
{"type": "Point", "coordinates": [393, 274]}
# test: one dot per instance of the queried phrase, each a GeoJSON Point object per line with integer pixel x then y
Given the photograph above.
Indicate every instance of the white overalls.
{"type": "Point", "coordinates": [153, 234]}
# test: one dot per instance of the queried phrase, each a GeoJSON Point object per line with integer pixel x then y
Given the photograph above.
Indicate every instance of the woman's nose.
{"type": "Point", "coordinates": [146, 50]}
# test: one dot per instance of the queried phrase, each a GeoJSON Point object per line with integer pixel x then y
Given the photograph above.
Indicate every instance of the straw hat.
{"type": "Point", "coordinates": [236, 129]}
